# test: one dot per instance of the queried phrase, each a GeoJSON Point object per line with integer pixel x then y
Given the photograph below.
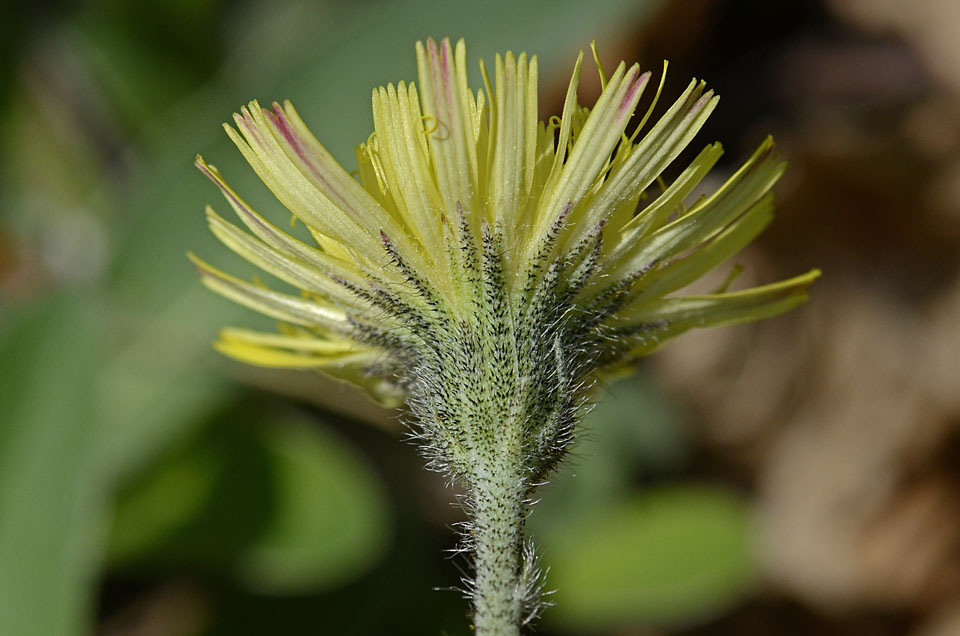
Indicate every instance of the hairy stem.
{"type": "Point", "coordinates": [499, 597]}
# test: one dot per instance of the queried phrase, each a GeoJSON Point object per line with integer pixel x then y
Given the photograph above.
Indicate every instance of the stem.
{"type": "Point", "coordinates": [498, 592]}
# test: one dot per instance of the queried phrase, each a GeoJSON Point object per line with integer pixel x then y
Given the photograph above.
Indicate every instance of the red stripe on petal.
{"type": "Point", "coordinates": [279, 120]}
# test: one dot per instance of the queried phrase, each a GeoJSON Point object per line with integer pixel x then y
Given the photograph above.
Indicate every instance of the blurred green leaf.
{"type": "Point", "coordinates": [162, 379]}
{"type": "Point", "coordinates": [283, 505]}
{"type": "Point", "coordinates": [167, 500]}
{"type": "Point", "coordinates": [675, 555]}
{"type": "Point", "coordinates": [51, 487]}
{"type": "Point", "coordinates": [329, 519]}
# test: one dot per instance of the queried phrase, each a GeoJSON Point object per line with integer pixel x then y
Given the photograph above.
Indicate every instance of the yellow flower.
{"type": "Point", "coordinates": [470, 215]}
{"type": "Point", "coordinates": [485, 266]}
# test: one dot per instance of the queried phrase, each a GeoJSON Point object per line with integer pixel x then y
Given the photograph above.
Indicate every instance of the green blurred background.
{"type": "Point", "coordinates": [796, 477]}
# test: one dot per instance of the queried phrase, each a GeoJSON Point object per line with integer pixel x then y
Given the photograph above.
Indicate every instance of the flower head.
{"type": "Point", "coordinates": [484, 266]}
{"type": "Point", "coordinates": [482, 259]}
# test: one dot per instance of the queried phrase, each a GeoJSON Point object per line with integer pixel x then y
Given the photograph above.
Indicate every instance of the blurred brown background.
{"type": "Point", "coordinates": [795, 477]}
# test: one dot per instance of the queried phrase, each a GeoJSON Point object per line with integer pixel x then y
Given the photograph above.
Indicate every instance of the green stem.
{"type": "Point", "coordinates": [498, 594]}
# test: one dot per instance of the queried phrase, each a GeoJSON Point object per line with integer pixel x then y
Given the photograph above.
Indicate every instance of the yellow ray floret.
{"type": "Point", "coordinates": [468, 215]}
